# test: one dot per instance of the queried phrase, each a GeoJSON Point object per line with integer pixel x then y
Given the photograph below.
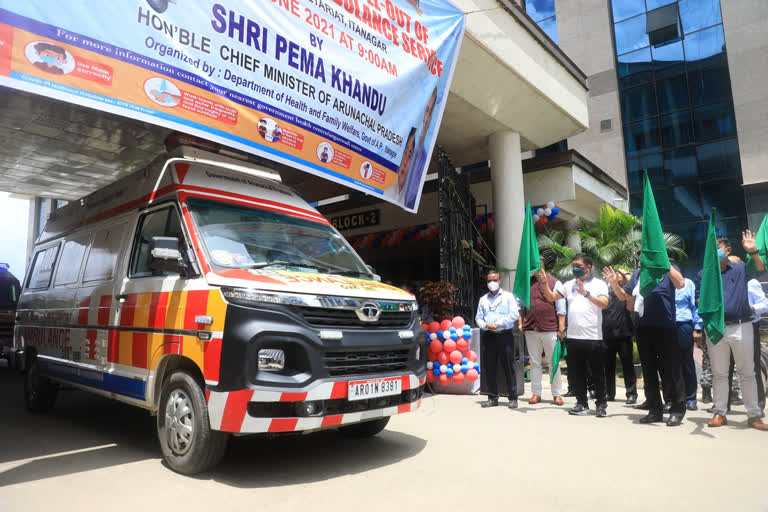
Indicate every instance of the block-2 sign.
{"type": "Point", "coordinates": [356, 220]}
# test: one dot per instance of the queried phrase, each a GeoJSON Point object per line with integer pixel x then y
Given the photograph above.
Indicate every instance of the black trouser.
{"type": "Point", "coordinates": [498, 347]}
{"type": "Point", "coordinates": [659, 351]}
{"type": "Point", "coordinates": [622, 347]}
{"type": "Point", "coordinates": [588, 373]}
{"type": "Point", "coordinates": [581, 352]}
{"type": "Point", "coordinates": [687, 365]}
{"type": "Point", "coordinates": [758, 373]}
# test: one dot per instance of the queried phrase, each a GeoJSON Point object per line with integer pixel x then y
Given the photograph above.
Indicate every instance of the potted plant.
{"type": "Point", "coordinates": [439, 297]}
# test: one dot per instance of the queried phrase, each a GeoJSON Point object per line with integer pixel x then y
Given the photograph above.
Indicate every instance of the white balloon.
{"type": "Point", "coordinates": [550, 205]}
{"type": "Point", "coordinates": [536, 218]}
{"type": "Point", "coordinates": [447, 335]}
{"type": "Point", "coordinates": [443, 368]}
{"type": "Point", "coordinates": [540, 212]}
{"type": "Point", "coordinates": [429, 365]}
{"type": "Point", "coordinates": [547, 212]}
{"type": "Point", "coordinates": [433, 336]}
{"type": "Point", "coordinates": [457, 367]}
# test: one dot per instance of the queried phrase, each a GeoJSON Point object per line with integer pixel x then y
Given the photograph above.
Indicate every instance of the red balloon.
{"type": "Point", "coordinates": [449, 345]}
{"type": "Point", "coordinates": [444, 379]}
{"type": "Point", "coordinates": [458, 377]}
{"type": "Point", "coordinates": [462, 345]}
{"type": "Point", "coordinates": [442, 358]}
{"type": "Point", "coordinates": [445, 325]}
{"type": "Point", "coordinates": [471, 375]}
{"type": "Point", "coordinates": [455, 357]}
{"type": "Point", "coordinates": [544, 220]}
{"type": "Point", "coordinates": [458, 322]}
{"type": "Point", "coordinates": [431, 356]}
{"type": "Point", "coordinates": [435, 346]}
{"type": "Point", "coordinates": [472, 355]}
{"type": "Point", "coordinates": [425, 326]}
{"type": "Point", "coordinates": [430, 377]}
{"type": "Point", "coordinates": [434, 327]}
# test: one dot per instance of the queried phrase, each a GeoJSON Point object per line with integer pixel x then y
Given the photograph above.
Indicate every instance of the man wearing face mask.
{"type": "Point", "coordinates": [497, 313]}
{"type": "Point", "coordinates": [617, 333]}
{"type": "Point", "coordinates": [587, 297]}
{"type": "Point", "coordinates": [737, 340]}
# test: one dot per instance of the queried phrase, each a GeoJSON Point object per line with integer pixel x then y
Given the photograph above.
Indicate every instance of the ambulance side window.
{"type": "Point", "coordinates": [102, 257]}
{"type": "Point", "coordinates": [71, 261]}
{"type": "Point", "coordinates": [42, 268]}
{"type": "Point", "coordinates": [163, 222]}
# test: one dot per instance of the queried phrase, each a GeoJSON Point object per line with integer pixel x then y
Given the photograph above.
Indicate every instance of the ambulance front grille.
{"type": "Point", "coordinates": [342, 363]}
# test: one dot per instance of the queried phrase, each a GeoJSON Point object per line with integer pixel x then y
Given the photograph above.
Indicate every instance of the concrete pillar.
{"type": "Point", "coordinates": [574, 240]}
{"type": "Point", "coordinates": [508, 201]}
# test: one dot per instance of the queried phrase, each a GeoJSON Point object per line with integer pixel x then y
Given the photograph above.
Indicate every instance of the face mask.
{"type": "Point", "coordinates": [493, 286]}
{"type": "Point", "coordinates": [720, 254]}
{"type": "Point", "coordinates": [579, 272]}
{"type": "Point", "coordinates": [51, 61]}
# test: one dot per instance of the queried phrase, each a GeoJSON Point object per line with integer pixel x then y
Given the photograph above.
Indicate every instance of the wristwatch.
{"type": "Point", "coordinates": [588, 294]}
{"type": "Point", "coordinates": [753, 253]}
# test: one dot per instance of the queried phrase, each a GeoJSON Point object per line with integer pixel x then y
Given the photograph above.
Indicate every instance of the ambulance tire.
{"type": "Point", "coordinates": [365, 429]}
{"type": "Point", "coordinates": [187, 416]}
{"type": "Point", "coordinates": [39, 392]}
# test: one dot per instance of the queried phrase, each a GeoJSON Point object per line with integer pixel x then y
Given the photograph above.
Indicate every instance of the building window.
{"type": "Point", "coordinates": [543, 13]}
{"type": "Point", "coordinates": [663, 25]}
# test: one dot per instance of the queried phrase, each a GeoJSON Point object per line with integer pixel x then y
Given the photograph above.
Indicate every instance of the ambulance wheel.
{"type": "Point", "coordinates": [183, 428]}
{"type": "Point", "coordinates": [364, 429]}
{"type": "Point", "coordinates": [158, 5]}
{"type": "Point", "coordinates": [39, 392]}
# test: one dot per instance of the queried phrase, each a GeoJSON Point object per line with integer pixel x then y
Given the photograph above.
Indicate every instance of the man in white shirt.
{"type": "Point", "coordinates": [587, 296]}
{"type": "Point", "coordinates": [497, 313]}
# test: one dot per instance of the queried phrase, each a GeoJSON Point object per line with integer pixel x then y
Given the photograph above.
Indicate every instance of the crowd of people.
{"type": "Point", "coordinates": [597, 319]}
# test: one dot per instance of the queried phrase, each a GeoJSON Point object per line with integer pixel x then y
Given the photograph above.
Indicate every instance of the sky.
{"type": "Point", "coordinates": [14, 215]}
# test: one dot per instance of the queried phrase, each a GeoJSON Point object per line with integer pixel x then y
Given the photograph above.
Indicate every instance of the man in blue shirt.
{"type": "Point", "coordinates": [687, 317]}
{"type": "Point", "coordinates": [420, 156]}
{"type": "Point", "coordinates": [497, 313]}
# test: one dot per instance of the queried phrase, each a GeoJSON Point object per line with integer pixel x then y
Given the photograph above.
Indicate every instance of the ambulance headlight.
{"type": "Point", "coordinates": [271, 359]}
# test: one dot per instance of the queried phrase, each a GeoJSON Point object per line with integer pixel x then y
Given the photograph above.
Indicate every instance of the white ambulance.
{"type": "Point", "coordinates": [205, 291]}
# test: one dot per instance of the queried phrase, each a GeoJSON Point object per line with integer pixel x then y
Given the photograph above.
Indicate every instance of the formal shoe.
{"type": "Point", "coordinates": [601, 411]}
{"type": "Point", "coordinates": [643, 406]}
{"type": "Point", "coordinates": [534, 400]}
{"type": "Point", "coordinates": [569, 394]}
{"type": "Point", "coordinates": [579, 410]}
{"type": "Point", "coordinates": [559, 400]}
{"type": "Point", "coordinates": [652, 417]}
{"type": "Point", "coordinates": [667, 408]}
{"type": "Point", "coordinates": [512, 404]}
{"type": "Point", "coordinates": [691, 405]}
{"type": "Point", "coordinates": [706, 395]}
{"type": "Point", "coordinates": [757, 423]}
{"type": "Point", "coordinates": [674, 420]}
{"type": "Point", "coordinates": [631, 400]}
{"type": "Point", "coordinates": [490, 403]}
{"type": "Point", "coordinates": [717, 421]}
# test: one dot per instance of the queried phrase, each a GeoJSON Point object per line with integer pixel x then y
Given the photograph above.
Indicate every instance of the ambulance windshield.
{"type": "Point", "coordinates": [242, 237]}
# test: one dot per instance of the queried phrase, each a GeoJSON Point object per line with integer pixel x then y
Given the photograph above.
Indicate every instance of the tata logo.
{"type": "Point", "coordinates": [160, 6]}
{"type": "Point", "coordinates": [369, 312]}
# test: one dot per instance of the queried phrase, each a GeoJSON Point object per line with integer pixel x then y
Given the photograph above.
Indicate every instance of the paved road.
{"type": "Point", "coordinates": [94, 454]}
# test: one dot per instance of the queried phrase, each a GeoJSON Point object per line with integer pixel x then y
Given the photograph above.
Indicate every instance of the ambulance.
{"type": "Point", "coordinates": [10, 290]}
{"type": "Point", "coordinates": [208, 293]}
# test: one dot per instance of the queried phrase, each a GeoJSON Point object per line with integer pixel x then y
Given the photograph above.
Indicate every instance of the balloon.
{"type": "Point", "coordinates": [443, 368]}
{"type": "Point", "coordinates": [433, 336]}
{"type": "Point", "coordinates": [447, 335]}
{"type": "Point", "coordinates": [472, 355]}
{"type": "Point", "coordinates": [462, 345]}
{"type": "Point", "coordinates": [551, 218]}
{"type": "Point", "coordinates": [550, 205]}
{"type": "Point", "coordinates": [452, 329]}
{"type": "Point", "coordinates": [456, 368]}
{"type": "Point", "coordinates": [454, 336]}
{"type": "Point", "coordinates": [431, 356]}
{"type": "Point", "coordinates": [459, 323]}
{"type": "Point", "coordinates": [435, 346]}
{"type": "Point", "coordinates": [442, 358]}
{"type": "Point", "coordinates": [430, 378]}
{"type": "Point", "coordinates": [536, 218]}
{"type": "Point", "coordinates": [449, 346]}
{"type": "Point", "coordinates": [458, 378]}
{"type": "Point", "coordinates": [435, 371]}
{"type": "Point", "coordinates": [455, 357]}
{"type": "Point", "coordinates": [464, 360]}
{"type": "Point", "coordinates": [439, 333]}
{"type": "Point", "coordinates": [478, 370]}
{"type": "Point", "coordinates": [464, 368]}
{"type": "Point", "coordinates": [555, 211]}
{"type": "Point", "coordinates": [425, 327]}
{"type": "Point", "coordinates": [467, 335]}
{"type": "Point", "coordinates": [445, 325]}
{"type": "Point", "coordinates": [443, 379]}
{"type": "Point", "coordinates": [434, 326]}
{"type": "Point", "coordinates": [449, 372]}
{"type": "Point", "coordinates": [467, 327]}
{"type": "Point", "coordinates": [543, 220]}
{"type": "Point", "coordinates": [547, 212]}
{"type": "Point", "coordinates": [540, 211]}
{"type": "Point", "coordinates": [429, 365]}
{"type": "Point", "coordinates": [472, 375]}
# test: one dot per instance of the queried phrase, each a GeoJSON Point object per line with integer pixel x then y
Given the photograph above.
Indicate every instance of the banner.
{"type": "Point", "coordinates": [350, 90]}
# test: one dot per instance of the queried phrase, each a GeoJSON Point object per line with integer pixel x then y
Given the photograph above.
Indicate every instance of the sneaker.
{"type": "Point", "coordinates": [737, 400]}
{"type": "Point", "coordinates": [512, 403]}
{"type": "Point", "coordinates": [602, 411]}
{"type": "Point", "coordinates": [667, 408]}
{"type": "Point", "coordinates": [706, 395]}
{"type": "Point", "coordinates": [691, 405]}
{"type": "Point", "coordinates": [490, 403]}
{"type": "Point", "coordinates": [631, 400]}
{"type": "Point", "coordinates": [579, 410]}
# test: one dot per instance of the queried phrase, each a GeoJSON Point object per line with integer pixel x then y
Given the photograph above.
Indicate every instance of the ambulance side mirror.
{"type": "Point", "coordinates": [166, 256]}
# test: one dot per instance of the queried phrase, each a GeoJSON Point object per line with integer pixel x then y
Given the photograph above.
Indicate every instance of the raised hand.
{"type": "Point", "coordinates": [541, 275]}
{"type": "Point", "coordinates": [580, 288]}
{"type": "Point", "coordinates": [610, 275]}
{"type": "Point", "coordinates": [748, 241]}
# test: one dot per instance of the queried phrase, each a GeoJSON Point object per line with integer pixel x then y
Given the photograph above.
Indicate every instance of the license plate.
{"type": "Point", "coordinates": [360, 390]}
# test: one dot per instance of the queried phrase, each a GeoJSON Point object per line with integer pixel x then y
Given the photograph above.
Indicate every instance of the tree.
{"type": "Point", "coordinates": [612, 240]}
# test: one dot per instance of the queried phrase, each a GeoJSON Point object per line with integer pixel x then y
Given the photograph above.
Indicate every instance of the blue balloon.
{"type": "Point", "coordinates": [449, 372]}
{"type": "Point", "coordinates": [467, 335]}
{"type": "Point", "coordinates": [436, 371]}
{"type": "Point", "coordinates": [464, 360]}
{"type": "Point", "coordinates": [478, 370]}
{"type": "Point", "coordinates": [454, 336]}
{"type": "Point", "coordinates": [555, 211]}
{"type": "Point", "coordinates": [453, 329]}
{"type": "Point", "coordinates": [551, 217]}
{"type": "Point", "coordinates": [464, 368]}
{"type": "Point", "coordinates": [440, 335]}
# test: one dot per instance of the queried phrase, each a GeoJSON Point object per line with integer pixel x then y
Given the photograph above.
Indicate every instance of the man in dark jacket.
{"type": "Point", "coordinates": [617, 334]}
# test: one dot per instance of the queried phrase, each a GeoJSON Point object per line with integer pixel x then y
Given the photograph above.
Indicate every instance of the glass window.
{"type": "Point", "coordinates": [698, 14]}
{"type": "Point", "coordinates": [630, 35]}
{"type": "Point", "coordinates": [549, 26]}
{"type": "Point", "coordinates": [655, 4]}
{"type": "Point", "coordinates": [42, 268]}
{"type": "Point", "coordinates": [668, 55]}
{"type": "Point", "coordinates": [714, 122]}
{"type": "Point", "coordinates": [673, 93]}
{"type": "Point", "coordinates": [635, 67]}
{"type": "Point", "coordinates": [695, 236]}
{"type": "Point", "coordinates": [642, 136]}
{"type": "Point", "coordinates": [623, 9]}
{"type": "Point", "coordinates": [684, 204]}
{"type": "Point", "coordinates": [71, 261]}
{"type": "Point", "coordinates": [705, 48]}
{"type": "Point", "coordinates": [9, 293]}
{"type": "Point", "coordinates": [719, 159]}
{"type": "Point", "coordinates": [653, 163]}
{"type": "Point", "coordinates": [725, 195]}
{"type": "Point", "coordinates": [540, 9]}
{"type": "Point", "coordinates": [680, 166]}
{"type": "Point", "coordinates": [638, 103]}
{"type": "Point", "coordinates": [709, 85]}
{"type": "Point", "coordinates": [636, 204]}
{"type": "Point", "coordinates": [676, 129]}
{"type": "Point", "coordinates": [163, 222]}
{"type": "Point", "coordinates": [102, 257]}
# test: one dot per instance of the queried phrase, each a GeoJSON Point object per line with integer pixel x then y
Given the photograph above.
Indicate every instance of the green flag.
{"type": "Point", "coordinates": [761, 241]}
{"type": "Point", "coordinates": [558, 354]}
{"type": "Point", "coordinates": [527, 261]}
{"type": "Point", "coordinates": [654, 262]}
{"type": "Point", "coordinates": [711, 308]}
